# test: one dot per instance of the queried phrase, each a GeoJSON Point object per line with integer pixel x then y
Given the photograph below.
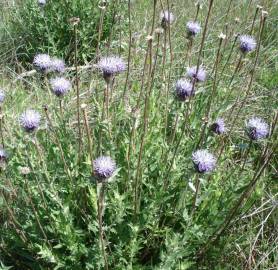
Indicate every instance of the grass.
{"type": "Point", "coordinates": [49, 216]}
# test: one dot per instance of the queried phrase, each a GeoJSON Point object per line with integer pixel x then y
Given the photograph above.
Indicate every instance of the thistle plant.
{"type": "Point", "coordinates": [2, 97]}
{"type": "Point", "coordinates": [247, 44]}
{"type": "Point", "coordinates": [42, 63]}
{"type": "Point", "coordinates": [166, 18]}
{"type": "Point", "coordinates": [103, 169]}
{"type": "Point", "coordinates": [197, 74]}
{"type": "Point", "coordinates": [176, 204]}
{"type": "Point", "coordinates": [41, 3]}
{"type": "Point", "coordinates": [3, 157]}
{"type": "Point", "coordinates": [193, 29]}
{"type": "Point", "coordinates": [30, 120]}
{"type": "Point", "coordinates": [110, 66]}
{"type": "Point", "coordinates": [183, 90]}
{"type": "Point", "coordinates": [218, 127]}
{"type": "Point", "coordinates": [204, 162]}
{"type": "Point", "coordinates": [257, 128]}
{"type": "Point", "coordinates": [58, 65]}
{"type": "Point", "coordinates": [60, 86]}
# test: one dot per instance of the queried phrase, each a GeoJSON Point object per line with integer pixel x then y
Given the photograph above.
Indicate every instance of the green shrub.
{"type": "Point", "coordinates": [33, 29]}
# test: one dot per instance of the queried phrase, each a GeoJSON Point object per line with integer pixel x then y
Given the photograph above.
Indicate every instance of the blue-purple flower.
{"type": "Point", "coordinates": [257, 128]}
{"type": "Point", "coordinates": [247, 43]}
{"type": "Point", "coordinates": [3, 155]}
{"type": "Point", "coordinates": [111, 66]}
{"type": "Point", "coordinates": [204, 161]}
{"type": "Point", "coordinates": [2, 96]}
{"type": "Point", "coordinates": [104, 167]}
{"type": "Point", "coordinates": [58, 65]}
{"type": "Point", "coordinates": [42, 62]}
{"type": "Point", "coordinates": [60, 86]}
{"type": "Point", "coordinates": [41, 3]}
{"type": "Point", "coordinates": [218, 126]}
{"type": "Point", "coordinates": [167, 18]}
{"type": "Point", "coordinates": [200, 76]}
{"type": "Point", "coordinates": [30, 120]}
{"type": "Point", "coordinates": [193, 28]}
{"type": "Point", "coordinates": [184, 89]}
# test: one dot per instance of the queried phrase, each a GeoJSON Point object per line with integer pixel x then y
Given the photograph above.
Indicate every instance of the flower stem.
{"type": "Point", "coordinates": [213, 93]}
{"type": "Point", "coordinates": [129, 49]}
{"type": "Point", "coordinates": [100, 205]}
{"type": "Point", "coordinates": [77, 93]}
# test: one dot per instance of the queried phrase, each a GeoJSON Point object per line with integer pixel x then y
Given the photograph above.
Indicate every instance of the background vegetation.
{"type": "Point", "coordinates": [49, 215]}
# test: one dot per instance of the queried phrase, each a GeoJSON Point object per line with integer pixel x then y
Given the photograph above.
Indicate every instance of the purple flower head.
{"type": "Point", "coordinates": [58, 65]}
{"type": "Point", "coordinates": [183, 89]}
{"type": "Point", "coordinates": [193, 28]}
{"type": "Point", "coordinates": [60, 86]}
{"type": "Point", "coordinates": [167, 18]}
{"type": "Point", "coordinates": [2, 96]}
{"type": "Point", "coordinates": [42, 62]}
{"type": "Point", "coordinates": [41, 3]}
{"type": "Point", "coordinates": [247, 43]}
{"type": "Point", "coordinates": [104, 167]}
{"type": "Point", "coordinates": [3, 155]}
{"type": "Point", "coordinates": [192, 73]}
{"type": "Point", "coordinates": [111, 66]}
{"type": "Point", "coordinates": [218, 126]}
{"type": "Point", "coordinates": [257, 128]}
{"type": "Point", "coordinates": [30, 120]}
{"type": "Point", "coordinates": [203, 161]}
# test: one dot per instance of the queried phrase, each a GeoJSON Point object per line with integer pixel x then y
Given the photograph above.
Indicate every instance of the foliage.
{"type": "Point", "coordinates": [49, 198]}
{"type": "Point", "coordinates": [33, 29]}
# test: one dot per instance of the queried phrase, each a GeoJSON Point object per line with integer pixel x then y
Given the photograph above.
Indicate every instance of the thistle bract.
{"type": "Point", "coordinates": [60, 86]}
{"type": "Point", "coordinates": [247, 43]}
{"type": "Point", "coordinates": [58, 65]}
{"type": "Point", "coordinates": [104, 167]}
{"type": "Point", "coordinates": [200, 76]}
{"type": "Point", "coordinates": [42, 62]}
{"type": "Point", "coordinates": [30, 120]}
{"type": "Point", "coordinates": [218, 126]}
{"type": "Point", "coordinates": [2, 96]}
{"type": "Point", "coordinates": [193, 28]}
{"type": "Point", "coordinates": [111, 66]}
{"type": "Point", "coordinates": [183, 89]}
{"type": "Point", "coordinates": [257, 128]}
{"type": "Point", "coordinates": [203, 161]}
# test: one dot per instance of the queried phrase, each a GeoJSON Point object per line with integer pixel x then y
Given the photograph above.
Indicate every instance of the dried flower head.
{"type": "Point", "coordinates": [60, 86]}
{"type": "Point", "coordinates": [2, 96]}
{"type": "Point", "coordinates": [218, 126]}
{"type": "Point", "coordinates": [184, 89]}
{"type": "Point", "coordinates": [58, 65]}
{"type": "Point", "coordinates": [42, 62]}
{"type": "Point", "coordinates": [167, 18]}
{"type": "Point", "coordinates": [247, 43]}
{"type": "Point", "coordinates": [30, 120]}
{"type": "Point", "coordinates": [193, 28]}
{"type": "Point", "coordinates": [257, 128]}
{"type": "Point", "coordinates": [111, 66]}
{"type": "Point", "coordinates": [24, 170]}
{"type": "Point", "coordinates": [104, 167]}
{"type": "Point", "coordinates": [192, 73]}
{"type": "Point", "coordinates": [203, 161]}
{"type": "Point", "coordinates": [3, 155]}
